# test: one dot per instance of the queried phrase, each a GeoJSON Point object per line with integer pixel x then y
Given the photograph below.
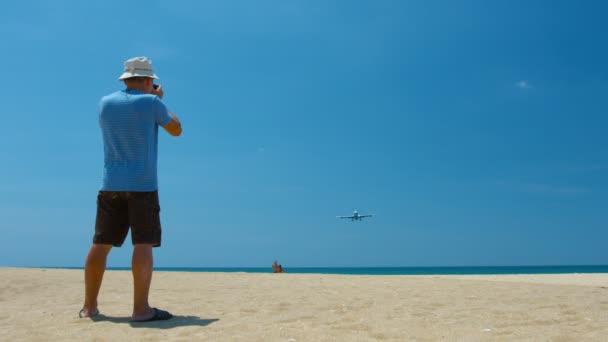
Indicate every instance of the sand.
{"type": "Point", "coordinates": [43, 305]}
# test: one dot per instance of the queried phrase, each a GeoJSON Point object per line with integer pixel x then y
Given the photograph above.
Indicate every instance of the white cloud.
{"type": "Point", "coordinates": [523, 84]}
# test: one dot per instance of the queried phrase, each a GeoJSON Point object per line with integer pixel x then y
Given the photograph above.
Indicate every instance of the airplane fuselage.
{"type": "Point", "coordinates": [356, 217]}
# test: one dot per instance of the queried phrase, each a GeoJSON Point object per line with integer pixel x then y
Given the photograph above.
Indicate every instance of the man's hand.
{"type": "Point", "coordinates": [158, 91]}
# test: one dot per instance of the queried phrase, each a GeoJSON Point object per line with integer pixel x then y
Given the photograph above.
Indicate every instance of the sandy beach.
{"type": "Point", "coordinates": [43, 305]}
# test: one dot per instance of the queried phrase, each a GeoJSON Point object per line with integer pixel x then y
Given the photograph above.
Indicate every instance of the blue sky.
{"type": "Point", "coordinates": [474, 130]}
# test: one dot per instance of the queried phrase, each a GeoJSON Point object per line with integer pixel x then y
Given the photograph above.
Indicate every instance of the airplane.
{"type": "Point", "coordinates": [356, 216]}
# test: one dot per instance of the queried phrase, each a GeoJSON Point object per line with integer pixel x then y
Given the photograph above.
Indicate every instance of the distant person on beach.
{"type": "Point", "coordinates": [128, 198]}
{"type": "Point", "coordinates": [276, 267]}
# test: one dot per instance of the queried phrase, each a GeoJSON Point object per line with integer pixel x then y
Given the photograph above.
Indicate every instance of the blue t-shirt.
{"type": "Point", "coordinates": [129, 121]}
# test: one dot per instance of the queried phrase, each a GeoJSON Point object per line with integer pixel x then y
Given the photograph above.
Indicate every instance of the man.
{"type": "Point", "coordinates": [129, 121]}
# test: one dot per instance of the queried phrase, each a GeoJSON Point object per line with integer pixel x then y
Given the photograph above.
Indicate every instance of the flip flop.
{"type": "Point", "coordinates": [159, 315]}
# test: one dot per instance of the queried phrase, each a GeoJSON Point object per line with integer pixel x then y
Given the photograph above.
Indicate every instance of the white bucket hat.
{"type": "Point", "coordinates": [138, 67]}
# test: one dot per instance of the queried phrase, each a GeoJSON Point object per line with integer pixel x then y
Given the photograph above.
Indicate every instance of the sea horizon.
{"type": "Point", "coordinates": [380, 270]}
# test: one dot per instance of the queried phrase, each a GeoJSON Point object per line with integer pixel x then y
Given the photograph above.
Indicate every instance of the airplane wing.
{"type": "Point", "coordinates": [369, 215]}
{"type": "Point", "coordinates": [350, 217]}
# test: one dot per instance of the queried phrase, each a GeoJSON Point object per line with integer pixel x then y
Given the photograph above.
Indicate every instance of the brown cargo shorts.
{"type": "Point", "coordinates": [119, 210]}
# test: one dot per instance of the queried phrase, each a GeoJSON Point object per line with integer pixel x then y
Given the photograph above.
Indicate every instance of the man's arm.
{"type": "Point", "coordinates": [174, 127]}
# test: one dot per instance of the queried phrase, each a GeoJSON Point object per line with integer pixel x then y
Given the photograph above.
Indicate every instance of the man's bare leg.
{"type": "Point", "coordinates": [93, 275]}
{"type": "Point", "coordinates": [142, 265]}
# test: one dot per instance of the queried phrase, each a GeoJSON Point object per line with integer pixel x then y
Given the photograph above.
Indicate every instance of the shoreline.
{"type": "Point", "coordinates": [418, 270]}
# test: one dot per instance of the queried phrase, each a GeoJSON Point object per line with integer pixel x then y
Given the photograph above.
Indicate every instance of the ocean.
{"type": "Point", "coordinates": [395, 270]}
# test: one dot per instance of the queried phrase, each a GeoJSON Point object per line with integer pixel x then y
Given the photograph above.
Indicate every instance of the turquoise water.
{"type": "Point", "coordinates": [399, 270]}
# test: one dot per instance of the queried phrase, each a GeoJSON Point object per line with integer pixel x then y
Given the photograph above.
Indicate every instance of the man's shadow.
{"type": "Point", "coordinates": [174, 322]}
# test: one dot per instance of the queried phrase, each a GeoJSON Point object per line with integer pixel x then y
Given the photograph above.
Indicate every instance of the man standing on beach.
{"type": "Point", "coordinates": [129, 121]}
